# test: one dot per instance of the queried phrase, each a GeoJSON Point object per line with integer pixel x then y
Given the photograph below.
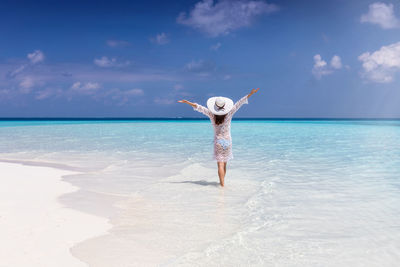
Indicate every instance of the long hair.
{"type": "Point", "coordinates": [219, 119]}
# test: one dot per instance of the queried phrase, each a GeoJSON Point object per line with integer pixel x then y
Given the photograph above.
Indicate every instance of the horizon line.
{"type": "Point", "coordinates": [185, 118]}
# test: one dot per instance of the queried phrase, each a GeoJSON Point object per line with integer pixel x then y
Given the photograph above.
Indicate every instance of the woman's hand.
{"type": "Point", "coordinates": [187, 102]}
{"type": "Point", "coordinates": [252, 92]}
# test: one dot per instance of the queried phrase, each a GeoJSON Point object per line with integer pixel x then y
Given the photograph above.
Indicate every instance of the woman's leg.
{"type": "Point", "coordinates": [221, 172]}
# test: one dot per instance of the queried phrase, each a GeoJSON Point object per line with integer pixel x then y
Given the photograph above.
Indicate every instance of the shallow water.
{"type": "Point", "coordinates": [298, 193]}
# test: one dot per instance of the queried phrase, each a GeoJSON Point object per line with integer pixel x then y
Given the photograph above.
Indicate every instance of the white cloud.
{"type": "Point", "coordinates": [319, 63]}
{"type": "Point", "coordinates": [381, 65]}
{"type": "Point", "coordinates": [36, 56]}
{"type": "Point", "coordinates": [134, 92]}
{"type": "Point", "coordinates": [43, 94]}
{"type": "Point", "coordinates": [225, 16]}
{"type": "Point", "coordinates": [325, 38]}
{"type": "Point", "coordinates": [5, 94]}
{"type": "Point", "coordinates": [227, 77]}
{"type": "Point", "coordinates": [47, 92]}
{"type": "Point", "coordinates": [160, 39]}
{"type": "Point", "coordinates": [18, 70]}
{"type": "Point", "coordinates": [91, 86]}
{"type": "Point", "coordinates": [106, 62]}
{"type": "Point", "coordinates": [322, 68]}
{"type": "Point", "coordinates": [163, 101]}
{"type": "Point", "coordinates": [76, 86]}
{"type": "Point", "coordinates": [26, 84]}
{"type": "Point", "coordinates": [117, 43]}
{"type": "Point", "coordinates": [336, 62]}
{"type": "Point", "coordinates": [77, 79]}
{"type": "Point", "coordinates": [200, 66]}
{"type": "Point", "coordinates": [178, 87]}
{"type": "Point", "coordinates": [121, 97]}
{"type": "Point", "coordinates": [86, 88]}
{"type": "Point", "coordinates": [216, 46]}
{"type": "Point", "coordinates": [63, 72]}
{"type": "Point", "coordinates": [4, 91]}
{"type": "Point", "coordinates": [381, 14]}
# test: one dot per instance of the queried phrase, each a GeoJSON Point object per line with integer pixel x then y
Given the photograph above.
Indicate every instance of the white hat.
{"type": "Point", "coordinates": [219, 105]}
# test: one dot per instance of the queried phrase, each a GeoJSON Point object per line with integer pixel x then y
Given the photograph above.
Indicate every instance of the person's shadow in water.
{"type": "Point", "coordinates": [199, 182]}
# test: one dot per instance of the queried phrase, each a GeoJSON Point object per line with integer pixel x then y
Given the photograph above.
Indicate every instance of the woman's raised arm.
{"type": "Point", "coordinates": [242, 101]}
{"type": "Point", "coordinates": [198, 108]}
{"type": "Point", "coordinates": [188, 102]}
{"type": "Point", "coordinates": [252, 92]}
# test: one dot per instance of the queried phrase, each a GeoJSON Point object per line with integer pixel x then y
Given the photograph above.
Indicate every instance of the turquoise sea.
{"type": "Point", "coordinates": [298, 192]}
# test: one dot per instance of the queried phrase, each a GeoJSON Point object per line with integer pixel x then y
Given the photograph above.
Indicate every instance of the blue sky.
{"type": "Point", "coordinates": [136, 59]}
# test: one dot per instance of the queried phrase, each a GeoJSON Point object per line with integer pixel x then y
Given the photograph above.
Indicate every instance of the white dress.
{"type": "Point", "coordinates": [222, 132]}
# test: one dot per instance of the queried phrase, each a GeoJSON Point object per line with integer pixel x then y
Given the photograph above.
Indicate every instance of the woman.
{"type": "Point", "coordinates": [220, 111]}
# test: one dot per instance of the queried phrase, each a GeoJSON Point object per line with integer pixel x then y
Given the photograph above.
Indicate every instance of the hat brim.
{"type": "Point", "coordinates": [217, 111]}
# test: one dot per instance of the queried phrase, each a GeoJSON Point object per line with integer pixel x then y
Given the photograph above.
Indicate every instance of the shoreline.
{"type": "Point", "coordinates": [36, 229]}
{"type": "Point", "coordinates": [53, 165]}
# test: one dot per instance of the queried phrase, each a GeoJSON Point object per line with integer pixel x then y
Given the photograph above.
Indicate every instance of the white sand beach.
{"type": "Point", "coordinates": [35, 229]}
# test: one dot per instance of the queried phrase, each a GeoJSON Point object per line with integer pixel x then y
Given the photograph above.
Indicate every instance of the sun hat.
{"type": "Point", "coordinates": [219, 105]}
